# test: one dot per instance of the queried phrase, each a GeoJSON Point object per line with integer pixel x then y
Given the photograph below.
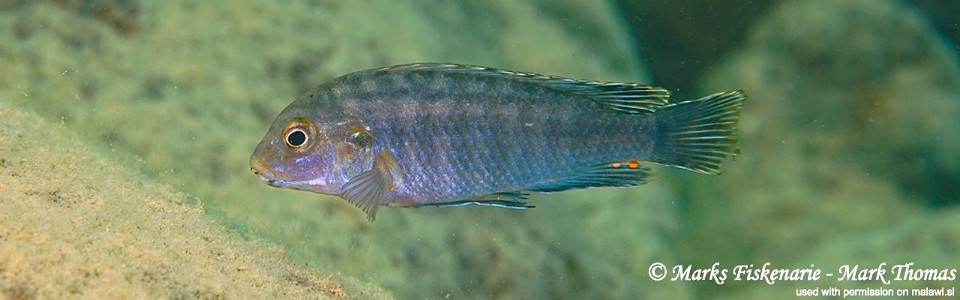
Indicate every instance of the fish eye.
{"type": "Point", "coordinates": [296, 134]}
{"type": "Point", "coordinates": [296, 137]}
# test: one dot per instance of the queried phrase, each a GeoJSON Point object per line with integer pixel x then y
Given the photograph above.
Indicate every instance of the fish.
{"type": "Point", "coordinates": [449, 135]}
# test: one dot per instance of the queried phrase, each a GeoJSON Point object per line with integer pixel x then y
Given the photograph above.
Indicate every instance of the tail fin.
{"type": "Point", "coordinates": [698, 134]}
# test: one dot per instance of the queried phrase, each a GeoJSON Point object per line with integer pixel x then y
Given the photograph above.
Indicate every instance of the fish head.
{"type": "Point", "coordinates": [313, 154]}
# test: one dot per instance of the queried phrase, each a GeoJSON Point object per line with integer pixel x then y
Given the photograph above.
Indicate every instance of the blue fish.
{"type": "Point", "coordinates": [442, 135]}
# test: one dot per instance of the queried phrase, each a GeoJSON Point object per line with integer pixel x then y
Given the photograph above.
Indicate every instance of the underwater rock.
{"type": "Point", "coordinates": [850, 129]}
{"type": "Point", "coordinates": [870, 86]}
{"type": "Point", "coordinates": [121, 14]}
{"type": "Point", "coordinates": [73, 224]}
{"type": "Point", "coordinates": [186, 98]}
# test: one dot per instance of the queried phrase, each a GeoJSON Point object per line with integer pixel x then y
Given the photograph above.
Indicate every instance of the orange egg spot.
{"type": "Point", "coordinates": [633, 164]}
{"type": "Point", "coordinates": [616, 165]}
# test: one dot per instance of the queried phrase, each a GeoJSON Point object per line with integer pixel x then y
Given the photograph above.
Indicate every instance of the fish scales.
{"type": "Point", "coordinates": [451, 135]}
{"type": "Point", "coordinates": [468, 128]}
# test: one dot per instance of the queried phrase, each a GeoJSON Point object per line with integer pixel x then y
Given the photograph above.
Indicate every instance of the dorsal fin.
{"type": "Point", "coordinates": [631, 98]}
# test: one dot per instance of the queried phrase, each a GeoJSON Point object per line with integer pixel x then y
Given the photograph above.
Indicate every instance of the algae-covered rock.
{"type": "Point", "coordinates": [186, 97]}
{"type": "Point", "coordinates": [850, 130]}
{"type": "Point", "coordinates": [73, 224]}
{"type": "Point", "coordinates": [869, 86]}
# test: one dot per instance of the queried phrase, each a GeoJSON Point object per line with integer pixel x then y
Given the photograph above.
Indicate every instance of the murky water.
{"type": "Point", "coordinates": [849, 138]}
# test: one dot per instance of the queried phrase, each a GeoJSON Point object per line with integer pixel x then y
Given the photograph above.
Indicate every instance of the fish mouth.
{"type": "Point", "coordinates": [268, 175]}
{"type": "Point", "coordinates": [263, 171]}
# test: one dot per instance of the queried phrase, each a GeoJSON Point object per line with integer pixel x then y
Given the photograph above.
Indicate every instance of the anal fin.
{"type": "Point", "coordinates": [507, 196]}
{"type": "Point", "coordinates": [615, 174]}
{"type": "Point", "coordinates": [490, 203]}
{"type": "Point", "coordinates": [512, 200]}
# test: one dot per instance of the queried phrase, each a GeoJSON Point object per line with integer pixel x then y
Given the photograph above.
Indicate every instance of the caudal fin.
{"type": "Point", "coordinates": [698, 134]}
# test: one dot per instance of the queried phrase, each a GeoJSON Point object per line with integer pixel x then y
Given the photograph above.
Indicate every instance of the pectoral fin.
{"type": "Point", "coordinates": [368, 189]}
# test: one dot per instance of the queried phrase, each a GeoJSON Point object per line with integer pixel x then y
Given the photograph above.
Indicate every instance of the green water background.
{"type": "Point", "coordinates": [849, 139]}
